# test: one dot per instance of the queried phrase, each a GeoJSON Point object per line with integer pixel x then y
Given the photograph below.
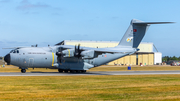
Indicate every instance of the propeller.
{"type": "Point", "coordinates": [60, 54]}
{"type": "Point", "coordinates": [77, 52]}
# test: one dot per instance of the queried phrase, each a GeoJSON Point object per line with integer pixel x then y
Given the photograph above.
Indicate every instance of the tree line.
{"type": "Point", "coordinates": [168, 58]}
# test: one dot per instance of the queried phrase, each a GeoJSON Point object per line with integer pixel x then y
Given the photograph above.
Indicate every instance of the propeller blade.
{"type": "Point", "coordinates": [78, 47]}
{"type": "Point", "coordinates": [75, 49]}
{"type": "Point", "coordinates": [60, 54]}
{"type": "Point", "coordinates": [77, 52]}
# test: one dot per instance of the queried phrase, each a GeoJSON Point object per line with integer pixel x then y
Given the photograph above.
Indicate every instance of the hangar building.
{"type": "Point", "coordinates": [145, 56]}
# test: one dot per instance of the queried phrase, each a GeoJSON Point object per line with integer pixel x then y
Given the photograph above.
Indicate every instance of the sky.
{"type": "Point", "coordinates": [47, 22]}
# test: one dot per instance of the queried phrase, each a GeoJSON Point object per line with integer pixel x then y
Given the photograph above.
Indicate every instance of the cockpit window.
{"type": "Point", "coordinates": [14, 51]}
{"type": "Point", "coordinates": [11, 51]}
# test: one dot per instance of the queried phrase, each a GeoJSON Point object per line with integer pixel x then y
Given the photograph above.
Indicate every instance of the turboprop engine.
{"type": "Point", "coordinates": [88, 54]}
{"type": "Point", "coordinates": [68, 53]}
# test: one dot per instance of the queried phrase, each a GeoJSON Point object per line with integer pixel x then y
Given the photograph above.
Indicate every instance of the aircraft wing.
{"type": "Point", "coordinates": [114, 50]}
{"type": "Point", "coordinates": [101, 50]}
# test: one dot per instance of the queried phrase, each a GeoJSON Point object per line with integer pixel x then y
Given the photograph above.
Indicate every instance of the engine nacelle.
{"type": "Point", "coordinates": [68, 53]}
{"type": "Point", "coordinates": [88, 54]}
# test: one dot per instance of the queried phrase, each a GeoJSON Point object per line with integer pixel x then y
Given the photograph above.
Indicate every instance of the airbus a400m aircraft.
{"type": "Point", "coordinates": [73, 59]}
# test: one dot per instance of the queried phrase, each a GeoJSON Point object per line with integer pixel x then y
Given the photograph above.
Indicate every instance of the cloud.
{"type": "Point", "coordinates": [9, 42]}
{"type": "Point", "coordinates": [4, 1]}
{"type": "Point", "coordinates": [17, 42]}
{"type": "Point", "coordinates": [26, 5]}
{"type": "Point", "coordinates": [25, 1]}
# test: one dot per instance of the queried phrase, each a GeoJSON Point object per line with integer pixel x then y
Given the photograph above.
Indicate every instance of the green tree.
{"type": "Point", "coordinates": [168, 58]}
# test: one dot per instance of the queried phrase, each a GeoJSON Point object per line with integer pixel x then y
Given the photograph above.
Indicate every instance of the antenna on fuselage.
{"type": "Point", "coordinates": [34, 45]}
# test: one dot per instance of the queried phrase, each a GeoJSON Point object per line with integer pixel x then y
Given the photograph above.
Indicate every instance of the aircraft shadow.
{"type": "Point", "coordinates": [90, 73]}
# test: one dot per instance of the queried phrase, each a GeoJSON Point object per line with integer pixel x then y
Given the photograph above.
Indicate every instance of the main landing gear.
{"type": "Point", "coordinates": [23, 70]}
{"type": "Point", "coordinates": [71, 71]}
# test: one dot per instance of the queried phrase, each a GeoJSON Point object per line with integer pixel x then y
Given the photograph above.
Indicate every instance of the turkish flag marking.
{"type": "Point", "coordinates": [134, 30]}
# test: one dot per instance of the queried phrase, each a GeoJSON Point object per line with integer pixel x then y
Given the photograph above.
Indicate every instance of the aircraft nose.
{"type": "Point", "coordinates": [7, 59]}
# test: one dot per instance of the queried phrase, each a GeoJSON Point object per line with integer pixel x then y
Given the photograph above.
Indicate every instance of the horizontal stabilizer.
{"type": "Point", "coordinates": [152, 22]}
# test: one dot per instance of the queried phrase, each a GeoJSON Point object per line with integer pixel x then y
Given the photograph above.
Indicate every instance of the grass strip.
{"type": "Point", "coordinates": [81, 88]}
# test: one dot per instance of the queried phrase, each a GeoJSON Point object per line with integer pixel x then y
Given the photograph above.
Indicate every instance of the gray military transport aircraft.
{"type": "Point", "coordinates": [76, 59]}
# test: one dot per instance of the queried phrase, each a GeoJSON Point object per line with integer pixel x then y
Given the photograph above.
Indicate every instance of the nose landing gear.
{"type": "Point", "coordinates": [23, 70]}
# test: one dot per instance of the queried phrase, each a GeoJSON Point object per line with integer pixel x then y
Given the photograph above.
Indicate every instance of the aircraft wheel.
{"type": "Point", "coordinates": [60, 70]}
{"type": "Point", "coordinates": [72, 71]}
{"type": "Point", "coordinates": [66, 71]}
{"type": "Point", "coordinates": [83, 71]}
{"type": "Point", "coordinates": [78, 71]}
{"type": "Point", "coordinates": [23, 70]}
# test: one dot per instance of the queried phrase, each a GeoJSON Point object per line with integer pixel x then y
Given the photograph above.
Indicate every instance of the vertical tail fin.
{"type": "Point", "coordinates": [135, 33]}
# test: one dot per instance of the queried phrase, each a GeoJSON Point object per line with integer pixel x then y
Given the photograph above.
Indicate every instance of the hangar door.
{"type": "Point", "coordinates": [135, 59]}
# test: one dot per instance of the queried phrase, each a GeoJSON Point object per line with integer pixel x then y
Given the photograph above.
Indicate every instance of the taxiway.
{"type": "Point", "coordinates": [89, 73]}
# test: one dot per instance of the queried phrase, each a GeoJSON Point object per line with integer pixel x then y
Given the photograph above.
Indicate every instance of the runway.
{"type": "Point", "coordinates": [89, 73]}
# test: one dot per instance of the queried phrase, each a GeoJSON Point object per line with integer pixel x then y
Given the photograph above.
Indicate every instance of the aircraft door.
{"type": "Point", "coordinates": [31, 61]}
